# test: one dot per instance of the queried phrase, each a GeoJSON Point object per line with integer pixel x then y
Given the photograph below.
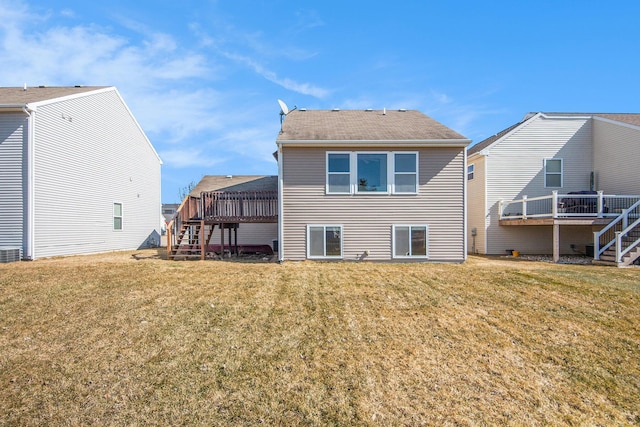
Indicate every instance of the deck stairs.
{"type": "Point", "coordinates": [188, 245]}
{"type": "Point", "coordinates": [618, 244]}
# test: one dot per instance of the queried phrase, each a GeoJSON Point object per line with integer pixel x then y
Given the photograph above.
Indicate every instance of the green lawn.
{"type": "Point", "coordinates": [121, 340]}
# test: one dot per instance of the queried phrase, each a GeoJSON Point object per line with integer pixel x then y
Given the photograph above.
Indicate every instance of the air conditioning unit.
{"type": "Point", "coordinates": [9, 254]}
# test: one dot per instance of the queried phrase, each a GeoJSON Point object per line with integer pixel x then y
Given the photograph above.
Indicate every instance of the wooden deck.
{"type": "Point", "coordinates": [190, 232]}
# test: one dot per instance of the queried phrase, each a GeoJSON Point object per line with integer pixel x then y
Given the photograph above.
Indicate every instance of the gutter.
{"type": "Point", "coordinates": [377, 142]}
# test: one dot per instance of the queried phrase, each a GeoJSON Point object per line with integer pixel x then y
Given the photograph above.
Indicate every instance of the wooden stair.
{"type": "Point", "coordinates": [188, 241]}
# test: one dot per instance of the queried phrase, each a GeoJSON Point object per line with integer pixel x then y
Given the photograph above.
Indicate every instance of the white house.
{"type": "Point", "coordinates": [548, 183]}
{"type": "Point", "coordinates": [77, 173]}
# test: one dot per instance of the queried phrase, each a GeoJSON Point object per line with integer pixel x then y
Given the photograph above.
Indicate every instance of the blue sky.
{"type": "Point", "coordinates": [203, 78]}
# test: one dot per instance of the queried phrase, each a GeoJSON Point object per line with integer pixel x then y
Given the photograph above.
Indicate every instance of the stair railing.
{"type": "Point", "coordinates": [189, 209]}
{"type": "Point", "coordinates": [616, 229]}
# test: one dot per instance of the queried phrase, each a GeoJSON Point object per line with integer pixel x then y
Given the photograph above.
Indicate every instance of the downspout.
{"type": "Point", "coordinates": [464, 205]}
{"type": "Point", "coordinates": [29, 226]}
{"type": "Point", "coordinates": [280, 207]}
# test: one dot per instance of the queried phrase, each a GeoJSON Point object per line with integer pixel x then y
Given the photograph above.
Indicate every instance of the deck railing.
{"type": "Point", "coordinates": [556, 205]}
{"type": "Point", "coordinates": [239, 206]}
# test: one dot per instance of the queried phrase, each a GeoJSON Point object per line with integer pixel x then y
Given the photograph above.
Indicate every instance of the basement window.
{"type": "Point", "coordinates": [410, 241]}
{"type": "Point", "coordinates": [324, 241]}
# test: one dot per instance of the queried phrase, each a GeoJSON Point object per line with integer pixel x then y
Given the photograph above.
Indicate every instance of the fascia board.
{"type": "Point", "coordinates": [374, 143]}
{"type": "Point", "coordinates": [34, 105]}
{"type": "Point", "coordinates": [615, 122]}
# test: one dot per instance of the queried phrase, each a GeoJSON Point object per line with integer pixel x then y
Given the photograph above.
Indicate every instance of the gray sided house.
{"type": "Point", "coordinates": [370, 185]}
{"type": "Point", "coordinates": [548, 183]}
{"type": "Point", "coordinates": [77, 173]}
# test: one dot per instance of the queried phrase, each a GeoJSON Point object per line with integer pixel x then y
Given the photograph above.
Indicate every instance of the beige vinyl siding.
{"type": "Point", "coordinates": [89, 153]}
{"type": "Point", "coordinates": [254, 234]}
{"type": "Point", "coordinates": [367, 220]}
{"type": "Point", "coordinates": [12, 178]}
{"type": "Point", "coordinates": [476, 206]}
{"type": "Point", "coordinates": [516, 168]}
{"type": "Point", "coordinates": [616, 157]}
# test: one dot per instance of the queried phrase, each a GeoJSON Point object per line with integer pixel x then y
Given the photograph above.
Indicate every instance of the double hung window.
{"type": "Point", "coordinates": [372, 172]}
{"type": "Point", "coordinates": [470, 171]}
{"type": "Point", "coordinates": [117, 216]}
{"type": "Point", "coordinates": [553, 173]}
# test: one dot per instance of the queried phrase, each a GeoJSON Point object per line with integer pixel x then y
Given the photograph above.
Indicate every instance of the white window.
{"type": "Point", "coordinates": [470, 170]}
{"type": "Point", "coordinates": [372, 173]}
{"type": "Point", "coordinates": [117, 216]}
{"type": "Point", "coordinates": [324, 241]}
{"type": "Point", "coordinates": [405, 179]}
{"type": "Point", "coordinates": [410, 241]}
{"type": "Point", "coordinates": [553, 173]}
{"type": "Point", "coordinates": [338, 173]}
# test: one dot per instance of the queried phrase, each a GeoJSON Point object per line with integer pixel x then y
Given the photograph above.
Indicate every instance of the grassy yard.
{"type": "Point", "coordinates": [132, 339]}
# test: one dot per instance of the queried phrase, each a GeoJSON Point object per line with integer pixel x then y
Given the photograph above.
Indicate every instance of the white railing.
{"type": "Point", "coordinates": [556, 205]}
{"type": "Point", "coordinates": [616, 231]}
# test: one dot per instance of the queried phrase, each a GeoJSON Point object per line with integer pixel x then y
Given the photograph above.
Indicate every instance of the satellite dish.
{"type": "Point", "coordinates": [283, 107]}
{"type": "Point", "coordinates": [284, 110]}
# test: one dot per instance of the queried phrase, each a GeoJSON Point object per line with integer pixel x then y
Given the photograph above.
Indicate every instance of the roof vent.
{"type": "Point", "coordinates": [229, 176]}
{"type": "Point", "coordinates": [302, 109]}
{"type": "Point", "coordinates": [42, 86]}
{"type": "Point", "coordinates": [335, 109]}
{"type": "Point", "coordinates": [403, 110]}
{"type": "Point", "coordinates": [368, 110]}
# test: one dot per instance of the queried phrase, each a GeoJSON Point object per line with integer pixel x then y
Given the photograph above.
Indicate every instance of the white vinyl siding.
{"type": "Point", "coordinates": [616, 154]}
{"type": "Point", "coordinates": [411, 241]}
{"type": "Point", "coordinates": [88, 152]}
{"type": "Point", "coordinates": [324, 241]}
{"type": "Point", "coordinates": [13, 131]}
{"type": "Point", "coordinates": [553, 173]}
{"type": "Point", "coordinates": [515, 168]}
{"type": "Point", "coordinates": [367, 219]}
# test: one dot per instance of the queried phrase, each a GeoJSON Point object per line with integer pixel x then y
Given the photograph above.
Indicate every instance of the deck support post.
{"type": "Point", "coordinates": [202, 243]}
{"type": "Point", "coordinates": [222, 240]}
{"type": "Point", "coordinates": [556, 242]}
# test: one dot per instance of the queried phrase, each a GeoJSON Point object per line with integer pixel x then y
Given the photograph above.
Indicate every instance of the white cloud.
{"type": "Point", "coordinates": [187, 158]}
{"type": "Point", "coordinates": [287, 83]}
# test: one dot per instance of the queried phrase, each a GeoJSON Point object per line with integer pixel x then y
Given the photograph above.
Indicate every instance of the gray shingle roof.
{"type": "Point", "coordinates": [235, 183]}
{"type": "Point", "coordinates": [363, 125]}
{"type": "Point", "coordinates": [19, 96]}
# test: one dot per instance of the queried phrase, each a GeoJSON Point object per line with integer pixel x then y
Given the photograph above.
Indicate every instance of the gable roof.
{"type": "Point", "coordinates": [626, 118]}
{"type": "Point", "coordinates": [18, 96]}
{"type": "Point", "coordinates": [235, 183]}
{"type": "Point", "coordinates": [365, 125]}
